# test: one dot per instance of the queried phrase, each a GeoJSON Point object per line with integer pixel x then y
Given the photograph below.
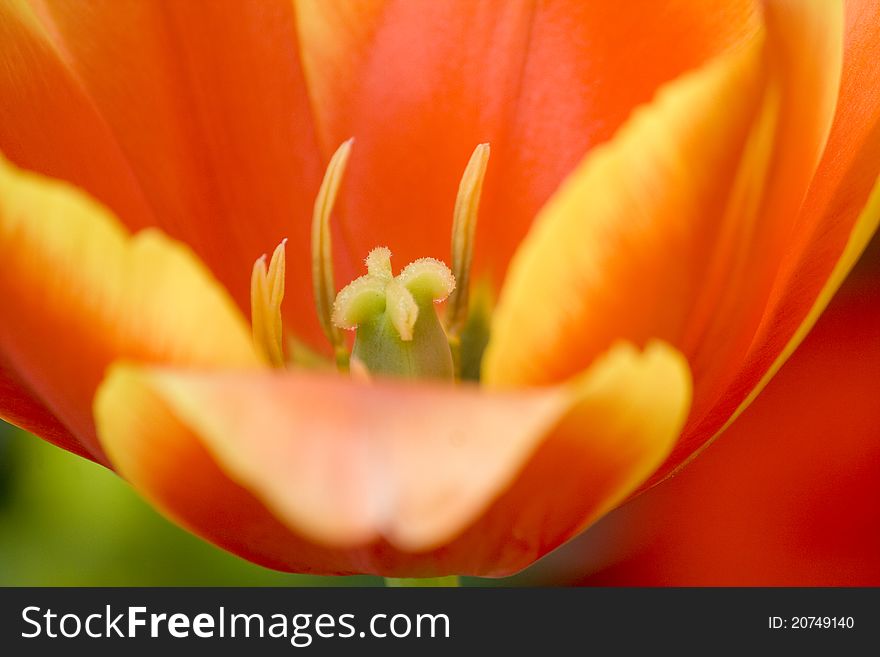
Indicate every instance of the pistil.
{"type": "Point", "coordinates": [398, 331]}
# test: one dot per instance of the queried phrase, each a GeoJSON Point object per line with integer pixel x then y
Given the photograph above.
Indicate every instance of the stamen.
{"type": "Point", "coordinates": [398, 330]}
{"type": "Point", "coordinates": [276, 274]}
{"type": "Point", "coordinates": [464, 226]}
{"type": "Point", "coordinates": [267, 293]}
{"type": "Point", "coordinates": [323, 282]}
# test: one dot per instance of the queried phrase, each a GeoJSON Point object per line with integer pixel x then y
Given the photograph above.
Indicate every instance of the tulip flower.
{"type": "Point", "coordinates": [674, 193]}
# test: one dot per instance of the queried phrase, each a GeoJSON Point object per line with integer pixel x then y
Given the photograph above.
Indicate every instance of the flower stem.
{"type": "Point", "coordinates": [398, 582]}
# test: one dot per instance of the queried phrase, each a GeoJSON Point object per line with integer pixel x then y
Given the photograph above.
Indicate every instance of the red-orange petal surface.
{"type": "Point", "coordinates": [657, 235]}
{"type": "Point", "coordinates": [839, 191]}
{"type": "Point", "coordinates": [786, 497]}
{"type": "Point", "coordinates": [48, 122]}
{"type": "Point", "coordinates": [207, 104]}
{"type": "Point", "coordinates": [420, 84]}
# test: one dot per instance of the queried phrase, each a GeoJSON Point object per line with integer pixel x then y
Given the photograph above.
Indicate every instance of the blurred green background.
{"type": "Point", "coordinates": [65, 521]}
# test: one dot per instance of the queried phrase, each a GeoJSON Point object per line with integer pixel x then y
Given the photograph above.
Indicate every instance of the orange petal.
{"type": "Point", "coordinates": [49, 124]}
{"type": "Point", "coordinates": [620, 249]}
{"type": "Point", "coordinates": [78, 292]}
{"type": "Point", "coordinates": [21, 408]}
{"type": "Point", "coordinates": [787, 496]}
{"type": "Point", "coordinates": [804, 54]}
{"type": "Point", "coordinates": [679, 227]}
{"type": "Point", "coordinates": [832, 228]}
{"type": "Point", "coordinates": [209, 107]}
{"type": "Point", "coordinates": [420, 84]}
{"type": "Point", "coordinates": [389, 478]}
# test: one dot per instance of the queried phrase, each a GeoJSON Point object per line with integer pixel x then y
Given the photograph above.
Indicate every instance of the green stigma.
{"type": "Point", "coordinates": [398, 331]}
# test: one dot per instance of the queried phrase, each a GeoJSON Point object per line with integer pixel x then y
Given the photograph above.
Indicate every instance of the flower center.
{"type": "Point", "coordinates": [398, 331]}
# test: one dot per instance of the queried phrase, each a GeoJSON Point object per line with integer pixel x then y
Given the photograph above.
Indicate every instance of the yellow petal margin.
{"type": "Point", "coordinates": [79, 292]}
{"type": "Point", "coordinates": [390, 478]}
{"type": "Point", "coordinates": [866, 225]}
{"type": "Point", "coordinates": [611, 254]}
{"type": "Point", "coordinates": [677, 227]}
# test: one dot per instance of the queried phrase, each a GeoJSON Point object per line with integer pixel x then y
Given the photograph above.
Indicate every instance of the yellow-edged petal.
{"type": "Point", "coordinates": [79, 292]}
{"type": "Point", "coordinates": [389, 478]}
{"type": "Point", "coordinates": [615, 251]}
{"type": "Point", "coordinates": [838, 217]}
{"type": "Point", "coordinates": [865, 227]}
{"type": "Point", "coordinates": [678, 227]}
{"type": "Point", "coordinates": [207, 103]}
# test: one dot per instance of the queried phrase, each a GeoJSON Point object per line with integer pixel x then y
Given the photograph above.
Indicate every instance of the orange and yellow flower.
{"type": "Point", "coordinates": [676, 190]}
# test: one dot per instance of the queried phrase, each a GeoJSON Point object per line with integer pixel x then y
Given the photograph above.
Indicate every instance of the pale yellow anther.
{"type": "Point", "coordinates": [267, 293]}
{"type": "Point", "coordinates": [323, 282]}
{"type": "Point", "coordinates": [379, 262]}
{"type": "Point", "coordinates": [464, 226]}
{"type": "Point", "coordinates": [276, 274]}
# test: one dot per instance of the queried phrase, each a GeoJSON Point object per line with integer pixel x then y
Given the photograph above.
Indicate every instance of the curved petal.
{"type": "Point", "coordinates": [787, 497]}
{"type": "Point", "coordinates": [620, 249]}
{"type": "Point", "coordinates": [784, 320]}
{"type": "Point", "coordinates": [49, 124]}
{"type": "Point", "coordinates": [21, 408]}
{"type": "Point", "coordinates": [680, 227]}
{"type": "Point", "coordinates": [79, 292]}
{"type": "Point", "coordinates": [839, 215]}
{"type": "Point", "coordinates": [420, 84]}
{"type": "Point", "coordinates": [322, 474]}
{"type": "Point", "coordinates": [208, 106]}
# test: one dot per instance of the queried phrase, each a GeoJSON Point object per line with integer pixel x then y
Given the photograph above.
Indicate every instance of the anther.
{"type": "Point", "coordinates": [464, 227]}
{"type": "Point", "coordinates": [267, 293]}
{"type": "Point", "coordinates": [398, 331]}
{"type": "Point", "coordinates": [324, 285]}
